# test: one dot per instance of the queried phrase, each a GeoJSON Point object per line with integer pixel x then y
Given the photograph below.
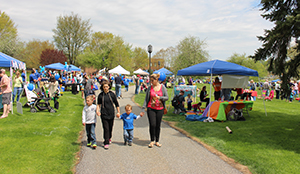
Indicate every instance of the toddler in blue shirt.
{"type": "Point", "coordinates": [128, 119]}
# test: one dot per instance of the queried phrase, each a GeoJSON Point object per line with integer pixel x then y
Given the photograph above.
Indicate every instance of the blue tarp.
{"type": "Point", "coordinates": [164, 70]}
{"type": "Point", "coordinates": [55, 66]}
{"type": "Point", "coordinates": [7, 61]}
{"type": "Point", "coordinates": [217, 67]}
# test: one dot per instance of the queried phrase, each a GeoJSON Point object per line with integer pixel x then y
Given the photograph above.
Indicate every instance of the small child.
{"type": "Point", "coordinates": [128, 118]}
{"type": "Point", "coordinates": [197, 106]}
{"type": "Point", "coordinates": [189, 102]}
{"type": "Point", "coordinates": [89, 121]}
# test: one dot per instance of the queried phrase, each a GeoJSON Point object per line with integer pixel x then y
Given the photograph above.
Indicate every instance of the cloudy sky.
{"type": "Point", "coordinates": [228, 27]}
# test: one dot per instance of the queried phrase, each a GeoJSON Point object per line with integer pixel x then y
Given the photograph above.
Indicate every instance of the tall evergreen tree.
{"type": "Point", "coordinates": [285, 14]}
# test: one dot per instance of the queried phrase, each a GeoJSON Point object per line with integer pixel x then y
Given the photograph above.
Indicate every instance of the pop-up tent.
{"type": "Point", "coordinates": [12, 63]}
{"type": "Point", "coordinates": [217, 67]}
{"type": "Point", "coordinates": [164, 70]}
{"type": "Point", "coordinates": [73, 68]}
{"type": "Point", "coordinates": [141, 72]}
{"type": "Point", "coordinates": [58, 66]}
{"type": "Point", "coordinates": [119, 70]}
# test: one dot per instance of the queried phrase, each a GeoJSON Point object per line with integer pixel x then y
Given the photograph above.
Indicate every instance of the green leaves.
{"type": "Point", "coordinates": [71, 35]}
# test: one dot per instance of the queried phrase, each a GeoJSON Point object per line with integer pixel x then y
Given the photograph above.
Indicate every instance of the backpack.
{"type": "Point", "coordinates": [175, 101]}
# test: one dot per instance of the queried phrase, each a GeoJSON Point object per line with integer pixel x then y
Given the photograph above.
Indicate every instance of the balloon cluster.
{"type": "Point", "coordinates": [42, 69]}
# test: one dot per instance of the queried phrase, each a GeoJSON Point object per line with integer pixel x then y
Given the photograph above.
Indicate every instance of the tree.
{"type": "Point", "coordinates": [191, 51]}
{"type": "Point", "coordinates": [97, 51]}
{"type": "Point", "coordinates": [285, 14]}
{"type": "Point", "coordinates": [32, 51]}
{"type": "Point", "coordinates": [140, 58]}
{"type": "Point", "coordinates": [242, 59]}
{"type": "Point", "coordinates": [120, 54]}
{"type": "Point", "coordinates": [50, 56]}
{"type": "Point", "coordinates": [71, 35]}
{"type": "Point", "coordinates": [9, 42]}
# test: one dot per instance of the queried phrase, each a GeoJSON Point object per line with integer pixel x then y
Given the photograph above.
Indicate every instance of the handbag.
{"type": "Point", "coordinates": [165, 111]}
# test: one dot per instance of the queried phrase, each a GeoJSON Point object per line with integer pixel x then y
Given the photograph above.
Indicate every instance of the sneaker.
{"type": "Point", "coordinates": [109, 141]}
{"type": "Point", "coordinates": [106, 146]}
{"type": "Point", "coordinates": [89, 144]}
{"type": "Point", "coordinates": [129, 143]}
{"type": "Point", "coordinates": [94, 146]}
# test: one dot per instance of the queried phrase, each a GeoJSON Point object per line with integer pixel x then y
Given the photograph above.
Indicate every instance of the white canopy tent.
{"type": "Point", "coordinates": [119, 70]}
{"type": "Point", "coordinates": [141, 72]}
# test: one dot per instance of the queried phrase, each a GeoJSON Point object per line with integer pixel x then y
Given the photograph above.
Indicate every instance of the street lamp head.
{"type": "Point", "coordinates": [149, 48]}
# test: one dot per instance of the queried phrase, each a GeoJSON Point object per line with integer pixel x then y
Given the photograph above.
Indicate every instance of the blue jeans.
{"type": "Point", "coordinates": [126, 88]}
{"type": "Point", "coordinates": [90, 133]}
{"type": "Point", "coordinates": [118, 90]}
{"type": "Point", "coordinates": [128, 135]}
{"type": "Point", "coordinates": [137, 89]}
{"type": "Point", "coordinates": [17, 91]}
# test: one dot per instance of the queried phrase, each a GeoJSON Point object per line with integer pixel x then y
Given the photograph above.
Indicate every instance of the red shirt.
{"type": "Point", "coordinates": [239, 90]}
{"type": "Point", "coordinates": [153, 94]}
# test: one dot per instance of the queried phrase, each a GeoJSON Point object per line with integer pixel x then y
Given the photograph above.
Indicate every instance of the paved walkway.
{"type": "Point", "coordinates": [178, 154]}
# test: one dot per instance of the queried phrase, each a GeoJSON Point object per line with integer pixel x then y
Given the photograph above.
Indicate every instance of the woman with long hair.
{"type": "Point", "coordinates": [156, 95]}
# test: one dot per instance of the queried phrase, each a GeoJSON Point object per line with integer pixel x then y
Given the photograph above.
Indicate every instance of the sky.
{"type": "Point", "coordinates": [228, 27]}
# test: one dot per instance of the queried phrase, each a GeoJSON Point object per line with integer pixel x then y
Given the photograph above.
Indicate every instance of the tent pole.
{"type": "Point", "coordinates": [263, 98]}
{"type": "Point", "coordinates": [11, 84]}
{"type": "Point", "coordinates": [210, 93]}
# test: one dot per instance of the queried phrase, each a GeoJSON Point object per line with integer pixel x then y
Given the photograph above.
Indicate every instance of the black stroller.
{"type": "Point", "coordinates": [41, 102]}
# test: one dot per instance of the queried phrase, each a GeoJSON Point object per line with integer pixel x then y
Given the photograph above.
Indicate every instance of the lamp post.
{"type": "Point", "coordinates": [158, 64]}
{"type": "Point", "coordinates": [149, 51]}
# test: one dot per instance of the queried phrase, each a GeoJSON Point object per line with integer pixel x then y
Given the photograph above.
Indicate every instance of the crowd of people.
{"type": "Point", "coordinates": [107, 104]}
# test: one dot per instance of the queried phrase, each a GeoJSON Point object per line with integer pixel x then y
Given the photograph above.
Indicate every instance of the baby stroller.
{"type": "Point", "coordinates": [38, 101]}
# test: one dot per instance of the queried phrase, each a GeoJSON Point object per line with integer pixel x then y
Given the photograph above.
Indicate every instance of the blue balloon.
{"type": "Point", "coordinates": [112, 78]}
{"type": "Point", "coordinates": [30, 86]}
{"type": "Point", "coordinates": [141, 80]}
{"type": "Point", "coordinates": [57, 76]}
{"type": "Point", "coordinates": [162, 76]}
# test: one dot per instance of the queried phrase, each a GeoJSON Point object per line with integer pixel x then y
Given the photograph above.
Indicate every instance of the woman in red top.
{"type": "Point", "coordinates": [156, 95]}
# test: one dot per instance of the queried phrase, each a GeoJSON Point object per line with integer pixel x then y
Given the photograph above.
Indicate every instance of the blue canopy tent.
{"type": "Point", "coordinates": [58, 66]}
{"type": "Point", "coordinates": [164, 70]}
{"type": "Point", "coordinates": [7, 61]}
{"type": "Point", "coordinates": [217, 67]}
{"type": "Point", "coordinates": [73, 68]}
{"type": "Point", "coordinates": [12, 63]}
{"type": "Point", "coordinates": [275, 80]}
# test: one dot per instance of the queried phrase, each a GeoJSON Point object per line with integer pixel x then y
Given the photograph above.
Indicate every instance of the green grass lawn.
{"type": "Point", "coordinates": [266, 144]}
{"type": "Point", "coordinates": [41, 142]}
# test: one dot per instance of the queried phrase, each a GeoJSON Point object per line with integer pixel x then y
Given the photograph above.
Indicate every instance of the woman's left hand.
{"type": "Point", "coordinates": [118, 115]}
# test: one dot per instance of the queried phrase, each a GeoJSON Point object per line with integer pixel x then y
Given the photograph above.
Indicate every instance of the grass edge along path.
{"type": "Point", "coordinates": [242, 168]}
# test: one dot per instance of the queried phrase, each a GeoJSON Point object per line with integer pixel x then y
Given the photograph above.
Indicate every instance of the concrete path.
{"type": "Point", "coordinates": [178, 154]}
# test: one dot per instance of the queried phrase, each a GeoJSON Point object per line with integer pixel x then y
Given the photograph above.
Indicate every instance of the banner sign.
{"type": "Point", "coordinates": [188, 89]}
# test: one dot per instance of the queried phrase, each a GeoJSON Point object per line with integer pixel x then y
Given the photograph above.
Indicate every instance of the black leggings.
{"type": "Point", "coordinates": [154, 117]}
{"type": "Point", "coordinates": [107, 125]}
